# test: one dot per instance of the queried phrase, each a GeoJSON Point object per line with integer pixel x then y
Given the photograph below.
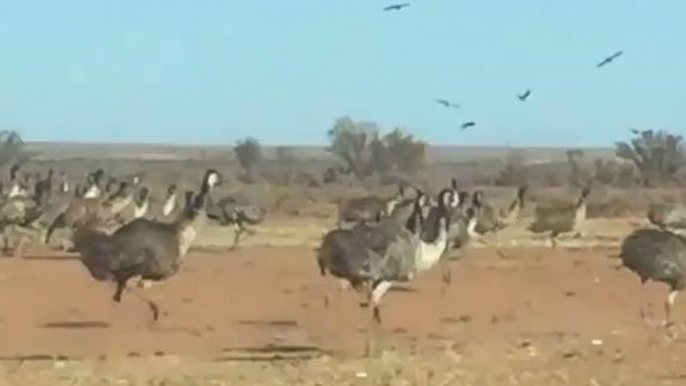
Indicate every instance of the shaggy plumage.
{"type": "Point", "coordinates": [237, 211]}
{"type": "Point", "coordinates": [657, 255]}
{"type": "Point", "coordinates": [667, 216]}
{"type": "Point", "coordinates": [149, 249]}
{"type": "Point", "coordinates": [560, 219]}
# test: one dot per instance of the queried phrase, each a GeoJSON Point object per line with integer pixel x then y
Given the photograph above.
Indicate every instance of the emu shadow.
{"type": "Point", "coordinates": [271, 352]}
{"type": "Point", "coordinates": [269, 323]}
{"type": "Point", "coordinates": [401, 288]}
{"type": "Point", "coordinates": [51, 257]}
{"type": "Point", "coordinates": [38, 357]}
{"type": "Point", "coordinates": [76, 325]}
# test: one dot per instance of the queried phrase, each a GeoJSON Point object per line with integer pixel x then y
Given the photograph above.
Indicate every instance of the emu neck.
{"type": "Point", "coordinates": [141, 208]}
{"type": "Point", "coordinates": [93, 192]}
{"type": "Point", "coordinates": [15, 190]}
{"type": "Point", "coordinates": [471, 227]}
{"type": "Point", "coordinates": [580, 212]}
{"type": "Point", "coordinates": [169, 205]}
{"type": "Point", "coordinates": [119, 205]}
{"type": "Point", "coordinates": [188, 228]}
{"type": "Point", "coordinates": [428, 253]}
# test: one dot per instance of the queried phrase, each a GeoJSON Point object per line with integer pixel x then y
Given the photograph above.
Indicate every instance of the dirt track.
{"type": "Point", "coordinates": [538, 306]}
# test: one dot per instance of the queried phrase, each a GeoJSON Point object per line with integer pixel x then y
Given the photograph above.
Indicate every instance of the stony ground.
{"type": "Point", "coordinates": [519, 314]}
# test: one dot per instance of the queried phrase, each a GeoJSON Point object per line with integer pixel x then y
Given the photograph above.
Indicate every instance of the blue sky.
{"type": "Point", "coordinates": [214, 71]}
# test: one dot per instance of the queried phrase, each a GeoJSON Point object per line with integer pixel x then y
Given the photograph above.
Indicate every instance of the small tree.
{"type": "Point", "coordinates": [406, 153]}
{"type": "Point", "coordinates": [514, 172]}
{"type": "Point", "coordinates": [364, 152]}
{"type": "Point", "coordinates": [249, 154]}
{"type": "Point", "coordinates": [351, 141]}
{"type": "Point", "coordinates": [658, 156]}
{"type": "Point", "coordinates": [285, 156]}
{"type": "Point", "coordinates": [285, 164]}
{"type": "Point", "coordinates": [11, 147]}
{"type": "Point", "coordinates": [574, 157]}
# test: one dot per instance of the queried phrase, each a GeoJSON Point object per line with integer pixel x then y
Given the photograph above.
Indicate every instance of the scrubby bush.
{"type": "Point", "coordinates": [365, 152]}
{"type": "Point", "coordinates": [249, 154]}
{"type": "Point", "coordinates": [11, 148]}
{"type": "Point", "coordinates": [658, 156]}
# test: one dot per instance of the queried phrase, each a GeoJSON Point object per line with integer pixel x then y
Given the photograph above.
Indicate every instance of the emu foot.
{"type": "Point", "coordinates": [673, 331]}
{"type": "Point", "coordinates": [649, 320]}
{"type": "Point", "coordinates": [376, 315]}
{"type": "Point", "coordinates": [155, 311]}
{"type": "Point", "coordinates": [447, 277]}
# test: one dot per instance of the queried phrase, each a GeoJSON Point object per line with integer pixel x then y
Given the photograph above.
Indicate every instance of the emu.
{"type": "Point", "coordinates": [657, 255]}
{"type": "Point", "coordinates": [377, 255]}
{"type": "Point", "coordinates": [152, 250]}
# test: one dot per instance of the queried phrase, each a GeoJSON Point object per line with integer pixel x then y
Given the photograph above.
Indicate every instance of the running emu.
{"type": "Point", "coordinates": [149, 249]}
{"type": "Point", "coordinates": [657, 255]}
{"type": "Point", "coordinates": [377, 255]}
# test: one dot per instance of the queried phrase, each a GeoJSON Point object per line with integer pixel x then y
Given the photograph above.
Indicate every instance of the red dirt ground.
{"type": "Point", "coordinates": [527, 302]}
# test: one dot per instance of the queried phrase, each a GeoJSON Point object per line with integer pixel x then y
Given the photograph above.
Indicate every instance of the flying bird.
{"type": "Point", "coordinates": [448, 103]}
{"type": "Point", "coordinates": [635, 131]}
{"type": "Point", "coordinates": [396, 7]}
{"type": "Point", "coordinates": [524, 96]}
{"type": "Point", "coordinates": [467, 125]}
{"type": "Point", "coordinates": [610, 58]}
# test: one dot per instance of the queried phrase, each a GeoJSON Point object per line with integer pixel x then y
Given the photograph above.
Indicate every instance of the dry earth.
{"type": "Point", "coordinates": [521, 314]}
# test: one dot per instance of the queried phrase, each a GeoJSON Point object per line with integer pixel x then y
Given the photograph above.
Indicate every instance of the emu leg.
{"type": "Point", "coordinates": [24, 235]}
{"type": "Point", "coordinates": [121, 285]}
{"type": "Point", "coordinates": [5, 243]}
{"type": "Point", "coordinates": [237, 232]}
{"type": "Point", "coordinates": [446, 275]}
{"type": "Point", "coordinates": [645, 317]}
{"type": "Point", "coordinates": [669, 303]}
{"type": "Point", "coordinates": [375, 293]}
{"type": "Point", "coordinates": [379, 289]}
{"type": "Point", "coordinates": [154, 308]}
{"type": "Point", "coordinates": [343, 285]}
{"type": "Point", "coordinates": [58, 222]}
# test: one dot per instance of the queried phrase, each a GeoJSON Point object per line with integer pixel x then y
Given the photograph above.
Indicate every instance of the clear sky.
{"type": "Point", "coordinates": [213, 71]}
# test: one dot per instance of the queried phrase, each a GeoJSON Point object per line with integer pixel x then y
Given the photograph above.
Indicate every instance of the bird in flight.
{"type": "Point", "coordinates": [396, 7]}
{"type": "Point", "coordinates": [524, 96]}
{"type": "Point", "coordinates": [467, 125]}
{"type": "Point", "coordinates": [610, 58]}
{"type": "Point", "coordinates": [635, 131]}
{"type": "Point", "coordinates": [447, 103]}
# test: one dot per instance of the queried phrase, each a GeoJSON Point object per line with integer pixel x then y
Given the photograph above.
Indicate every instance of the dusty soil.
{"type": "Point", "coordinates": [522, 315]}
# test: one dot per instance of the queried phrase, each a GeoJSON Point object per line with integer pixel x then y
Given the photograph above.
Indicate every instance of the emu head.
{"type": "Point", "coordinates": [212, 178]}
{"type": "Point", "coordinates": [13, 171]}
{"type": "Point", "coordinates": [189, 198]}
{"type": "Point", "coordinates": [445, 198]}
{"type": "Point", "coordinates": [124, 188]}
{"type": "Point", "coordinates": [110, 185]}
{"type": "Point", "coordinates": [462, 198]}
{"type": "Point", "coordinates": [521, 192]}
{"type": "Point", "coordinates": [470, 215]}
{"type": "Point", "coordinates": [97, 176]}
{"type": "Point", "coordinates": [477, 199]}
{"type": "Point", "coordinates": [143, 194]}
